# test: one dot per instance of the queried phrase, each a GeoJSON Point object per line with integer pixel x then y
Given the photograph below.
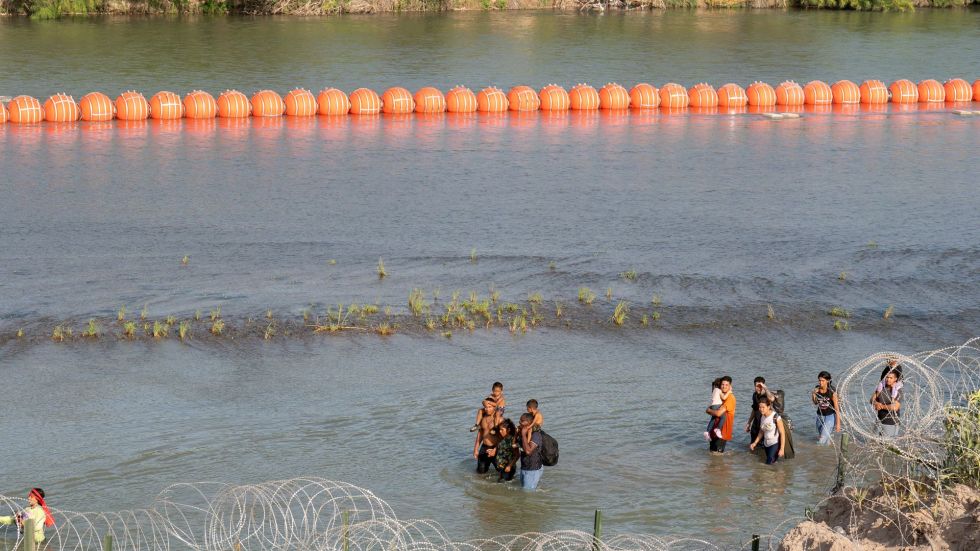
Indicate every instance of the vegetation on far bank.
{"type": "Point", "coordinates": [51, 9]}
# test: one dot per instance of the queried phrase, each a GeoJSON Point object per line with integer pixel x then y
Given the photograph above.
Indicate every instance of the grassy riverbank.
{"type": "Point", "coordinates": [50, 9]}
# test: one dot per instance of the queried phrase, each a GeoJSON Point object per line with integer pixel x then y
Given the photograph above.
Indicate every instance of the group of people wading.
{"type": "Point", "coordinates": [771, 433]}
{"type": "Point", "coordinates": [500, 443]}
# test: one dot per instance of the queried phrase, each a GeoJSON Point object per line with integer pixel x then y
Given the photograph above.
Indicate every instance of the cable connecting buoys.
{"type": "Point", "coordinates": [300, 102]}
{"type": "Point", "coordinates": [904, 91]}
{"type": "Point", "coordinates": [845, 92]}
{"type": "Point", "coordinates": [61, 108]}
{"type": "Point", "coordinates": [492, 100]}
{"type": "Point", "coordinates": [761, 94]}
{"type": "Point", "coordinates": [702, 95]}
{"type": "Point", "coordinates": [583, 97]}
{"type": "Point", "coordinates": [613, 96]}
{"type": "Point", "coordinates": [673, 96]}
{"type": "Point", "coordinates": [732, 95]}
{"type": "Point", "coordinates": [25, 110]}
{"type": "Point", "coordinates": [365, 101]}
{"type": "Point", "coordinates": [644, 96]}
{"type": "Point", "coordinates": [397, 101]}
{"type": "Point", "coordinates": [818, 92]}
{"type": "Point", "coordinates": [429, 100]}
{"type": "Point", "coordinates": [523, 98]}
{"type": "Point", "coordinates": [957, 89]}
{"type": "Point", "coordinates": [930, 91]}
{"type": "Point", "coordinates": [132, 106]}
{"type": "Point", "coordinates": [233, 104]}
{"type": "Point", "coordinates": [267, 103]}
{"type": "Point", "coordinates": [200, 105]}
{"type": "Point", "coordinates": [166, 106]}
{"type": "Point", "coordinates": [460, 99]}
{"type": "Point", "coordinates": [332, 102]}
{"type": "Point", "coordinates": [554, 98]}
{"type": "Point", "coordinates": [789, 93]}
{"type": "Point", "coordinates": [873, 92]}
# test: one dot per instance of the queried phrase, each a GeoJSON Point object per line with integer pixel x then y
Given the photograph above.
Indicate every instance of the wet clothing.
{"type": "Point", "coordinates": [825, 402]}
{"type": "Point", "coordinates": [718, 444]}
{"type": "Point", "coordinates": [506, 457]}
{"type": "Point", "coordinates": [755, 417]}
{"type": "Point", "coordinates": [532, 461]}
{"type": "Point", "coordinates": [888, 396]}
{"type": "Point", "coordinates": [769, 428]}
{"type": "Point", "coordinates": [825, 427]}
{"type": "Point", "coordinates": [37, 514]}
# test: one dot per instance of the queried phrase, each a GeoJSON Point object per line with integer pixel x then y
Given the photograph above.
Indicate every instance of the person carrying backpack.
{"type": "Point", "coordinates": [772, 432]}
{"type": "Point", "coordinates": [531, 465]}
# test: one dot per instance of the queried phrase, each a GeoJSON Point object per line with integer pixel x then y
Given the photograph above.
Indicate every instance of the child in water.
{"type": "Point", "coordinates": [715, 424]}
{"type": "Point", "coordinates": [37, 511]}
{"type": "Point", "coordinates": [497, 397]}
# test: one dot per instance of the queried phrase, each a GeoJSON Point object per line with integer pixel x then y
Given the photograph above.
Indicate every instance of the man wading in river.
{"type": "Point", "coordinates": [484, 438]}
{"type": "Point", "coordinates": [728, 409]}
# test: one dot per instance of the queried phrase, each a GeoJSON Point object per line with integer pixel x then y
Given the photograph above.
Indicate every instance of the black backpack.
{"type": "Point", "coordinates": [549, 449]}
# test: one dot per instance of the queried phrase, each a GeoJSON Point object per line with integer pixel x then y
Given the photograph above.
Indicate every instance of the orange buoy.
{"type": "Point", "coordinates": [397, 100]}
{"type": "Point", "coordinates": [25, 110]}
{"type": "Point", "coordinates": [702, 95]}
{"type": "Point", "coordinates": [132, 106]}
{"type": "Point", "coordinates": [673, 96]}
{"type": "Point", "coordinates": [845, 92]}
{"type": "Point", "coordinates": [460, 99]}
{"type": "Point", "coordinates": [583, 97]}
{"type": "Point", "coordinates": [492, 100]}
{"type": "Point", "coordinates": [817, 92]}
{"type": "Point", "coordinates": [957, 89]}
{"type": "Point", "coordinates": [4, 115]}
{"type": "Point", "coordinates": [96, 107]}
{"type": "Point", "coordinates": [267, 103]}
{"type": "Point", "coordinates": [429, 100]}
{"type": "Point", "coordinates": [761, 94]}
{"type": "Point", "coordinates": [554, 98]}
{"type": "Point", "coordinates": [364, 101]}
{"type": "Point", "coordinates": [789, 93]}
{"type": "Point", "coordinates": [61, 108]}
{"type": "Point", "coordinates": [332, 102]}
{"type": "Point", "coordinates": [166, 106]}
{"type": "Point", "coordinates": [904, 91]}
{"type": "Point", "coordinates": [930, 91]}
{"type": "Point", "coordinates": [644, 96]}
{"type": "Point", "coordinates": [613, 96]}
{"type": "Point", "coordinates": [873, 92]}
{"type": "Point", "coordinates": [523, 98]}
{"type": "Point", "coordinates": [976, 90]}
{"type": "Point", "coordinates": [300, 103]}
{"type": "Point", "coordinates": [200, 105]}
{"type": "Point", "coordinates": [732, 95]}
{"type": "Point", "coordinates": [233, 104]}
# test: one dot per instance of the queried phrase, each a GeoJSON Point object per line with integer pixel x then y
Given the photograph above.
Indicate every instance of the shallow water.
{"type": "Point", "coordinates": [719, 215]}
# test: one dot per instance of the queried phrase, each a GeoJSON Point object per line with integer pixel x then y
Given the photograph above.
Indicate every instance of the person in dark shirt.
{"type": "Point", "coordinates": [828, 408]}
{"type": "Point", "coordinates": [531, 465]}
{"type": "Point", "coordinates": [761, 391]}
{"type": "Point", "coordinates": [887, 399]}
{"type": "Point", "coordinates": [506, 453]}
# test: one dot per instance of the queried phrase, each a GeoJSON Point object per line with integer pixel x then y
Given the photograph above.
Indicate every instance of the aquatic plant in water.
{"type": "Point", "coordinates": [629, 275]}
{"type": "Point", "coordinates": [888, 312]}
{"type": "Point", "coordinates": [621, 313]}
{"type": "Point", "coordinates": [121, 314]}
{"type": "Point", "coordinates": [770, 313]}
{"type": "Point", "coordinates": [585, 295]}
{"type": "Point", "coordinates": [839, 312]}
{"type": "Point", "coordinates": [129, 329]}
{"type": "Point", "coordinates": [382, 273]}
{"type": "Point", "coordinates": [841, 325]}
{"type": "Point", "coordinates": [92, 330]}
{"type": "Point", "coordinates": [184, 330]}
{"type": "Point", "coordinates": [217, 327]}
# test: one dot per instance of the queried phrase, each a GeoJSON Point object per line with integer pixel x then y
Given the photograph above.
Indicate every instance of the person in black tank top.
{"type": "Point", "coordinates": [828, 408]}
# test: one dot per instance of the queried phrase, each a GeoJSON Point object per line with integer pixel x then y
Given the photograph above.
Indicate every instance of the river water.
{"type": "Point", "coordinates": [719, 216]}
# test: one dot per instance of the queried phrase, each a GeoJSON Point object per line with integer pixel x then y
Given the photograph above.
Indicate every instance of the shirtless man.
{"type": "Point", "coordinates": [484, 437]}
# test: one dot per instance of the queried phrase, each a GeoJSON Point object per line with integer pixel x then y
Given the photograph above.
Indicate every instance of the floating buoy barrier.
{"type": "Point", "coordinates": [429, 100]}
{"type": "Point", "coordinates": [132, 106]}
{"type": "Point", "coordinates": [166, 106]}
{"type": "Point", "coordinates": [789, 93]}
{"type": "Point", "coordinates": [957, 90]}
{"type": "Point", "coordinates": [365, 101]}
{"type": "Point", "coordinates": [583, 97]}
{"type": "Point", "coordinates": [874, 92]}
{"type": "Point", "coordinates": [732, 95]}
{"type": "Point", "coordinates": [461, 99]}
{"type": "Point", "coordinates": [332, 102]}
{"type": "Point", "coordinates": [492, 100]}
{"type": "Point", "coordinates": [930, 91]}
{"type": "Point", "coordinates": [818, 92]}
{"type": "Point", "coordinates": [523, 98]}
{"type": "Point", "coordinates": [554, 98]}
{"type": "Point", "coordinates": [61, 108]}
{"type": "Point", "coordinates": [760, 97]}
{"type": "Point", "coordinates": [233, 104]}
{"type": "Point", "coordinates": [614, 97]}
{"type": "Point", "coordinates": [702, 95]}
{"type": "Point", "coordinates": [644, 96]}
{"type": "Point", "coordinates": [266, 103]}
{"type": "Point", "coordinates": [300, 102]}
{"type": "Point", "coordinates": [761, 94]}
{"type": "Point", "coordinates": [200, 105]}
{"type": "Point", "coordinates": [397, 101]}
{"type": "Point", "coordinates": [845, 92]}
{"type": "Point", "coordinates": [904, 91]}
